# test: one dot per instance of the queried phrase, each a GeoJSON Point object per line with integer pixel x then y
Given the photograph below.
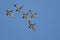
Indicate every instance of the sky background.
{"type": "Point", "coordinates": [47, 20]}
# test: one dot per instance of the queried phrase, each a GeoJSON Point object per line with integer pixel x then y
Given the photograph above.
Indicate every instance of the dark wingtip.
{"type": "Point", "coordinates": [14, 5]}
{"type": "Point", "coordinates": [16, 10]}
{"type": "Point", "coordinates": [11, 10]}
{"type": "Point", "coordinates": [6, 14]}
{"type": "Point", "coordinates": [22, 17]}
{"type": "Point", "coordinates": [28, 27]}
{"type": "Point", "coordinates": [35, 13]}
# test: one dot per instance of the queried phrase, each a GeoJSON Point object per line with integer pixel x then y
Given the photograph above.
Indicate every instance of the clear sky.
{"type": "Point", "coordinates": [47, 20]}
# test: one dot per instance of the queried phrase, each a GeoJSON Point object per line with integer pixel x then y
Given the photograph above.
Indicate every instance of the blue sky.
{"type": "Point", "coordinates": [47, 20]}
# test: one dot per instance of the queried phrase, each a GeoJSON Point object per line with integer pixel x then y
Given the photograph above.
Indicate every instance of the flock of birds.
{"type": "Point", "coordinates": [25, 15]}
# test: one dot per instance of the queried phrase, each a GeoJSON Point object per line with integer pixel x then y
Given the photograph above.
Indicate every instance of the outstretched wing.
{"type": "Point", "coordinates": [15, 5]}
{"type": "Point", "coordinates": [21, 7]}
{"type": "Point", "coordinates": [33, 28]}
{"type": "Point", "coordinates": [31, 25]}
{"type": "Point", "coordinates": [11, 15]}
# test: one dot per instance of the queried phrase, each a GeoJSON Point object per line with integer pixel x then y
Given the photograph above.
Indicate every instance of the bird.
{"type": "Point", "coordinates": [31, 25]}
{"type": "Point", "coordinates": [25, 15]}
{"type": "Point", "coordinates": [18, 8]}
{"type": "Point", "coordinates": [9, 12]}
{"type": "Point", "coordinates": [32, 13]}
